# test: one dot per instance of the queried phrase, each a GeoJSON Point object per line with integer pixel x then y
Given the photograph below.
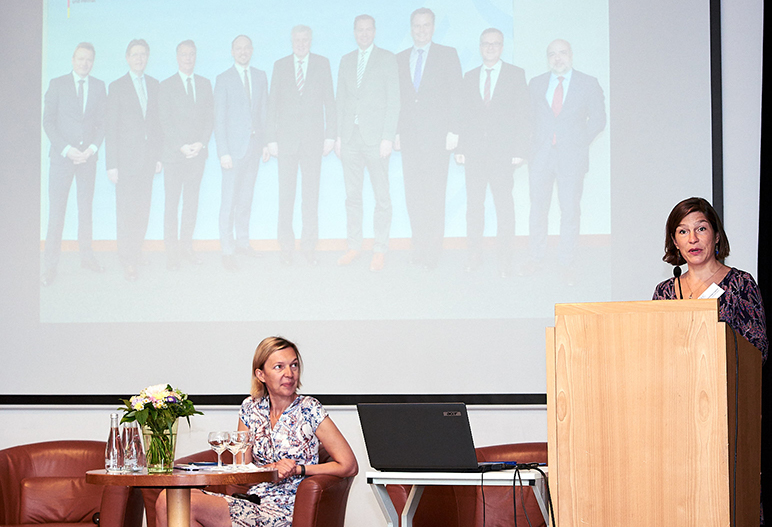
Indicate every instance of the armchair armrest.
{"type": "Point", "coordinates": [321, 501]}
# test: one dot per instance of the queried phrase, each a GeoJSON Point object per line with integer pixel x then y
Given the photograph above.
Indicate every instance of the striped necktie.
{"type": "Point", "coordinates": [299, 78]}
{"type": "Point", "coordinates": [361, 67]}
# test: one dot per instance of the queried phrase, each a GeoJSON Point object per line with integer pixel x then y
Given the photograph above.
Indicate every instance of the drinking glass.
{"type": "Point", "coordinates": [234, 446]}
{"type": "Point", "coordinates": [219, 441]}
{"type": "Point", "coordinates": [244, 442]}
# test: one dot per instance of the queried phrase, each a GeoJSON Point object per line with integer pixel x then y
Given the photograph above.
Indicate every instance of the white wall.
{"type": "Point", "coordinates": [491, 425]}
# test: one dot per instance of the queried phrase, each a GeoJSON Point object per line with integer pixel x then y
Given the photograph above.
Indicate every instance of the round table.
{"type": "Point", "coordinates": [178, 485]}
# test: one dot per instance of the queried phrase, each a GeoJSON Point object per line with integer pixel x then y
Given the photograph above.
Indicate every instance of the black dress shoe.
{"type": "Point", "coordinates": [311, 258]}
{"type": "Point", "coordinates": [172, 261]}
{"type": "Point", "coordinates": [229, 262]}
{"type": "Point", "coordinates": [130, 272]}
{"type": "Point", "coordinates": [286, 258]}
{"type": "Point", "coordinates": [248, 251]}
{"type": "Point", "coordinates": [473, 263]}
{"type": "Point", "coordinates": [48, 278]}
{"type": "Point", "coordinates": [191, 256]}
{"type": "Point", "coordinates": [92, 264]}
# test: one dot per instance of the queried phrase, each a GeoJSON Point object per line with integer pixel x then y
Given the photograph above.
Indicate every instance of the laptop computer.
{"type": "Point", "coordinates": [420, 437]}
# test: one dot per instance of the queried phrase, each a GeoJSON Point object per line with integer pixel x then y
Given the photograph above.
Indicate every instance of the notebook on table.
{"type": "Point", "coordinates": [421, 437]}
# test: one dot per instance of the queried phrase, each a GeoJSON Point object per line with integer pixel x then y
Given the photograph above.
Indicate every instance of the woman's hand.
{"type": "Point", "coordinates": [285, 468]}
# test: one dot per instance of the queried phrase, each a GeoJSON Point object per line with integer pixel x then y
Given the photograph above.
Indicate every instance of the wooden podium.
{"type": "Point", "coordinates": [654, 416]}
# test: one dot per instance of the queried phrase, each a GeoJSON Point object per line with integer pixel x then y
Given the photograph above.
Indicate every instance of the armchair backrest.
{"type": "Point", "coordinates": [45, 483]}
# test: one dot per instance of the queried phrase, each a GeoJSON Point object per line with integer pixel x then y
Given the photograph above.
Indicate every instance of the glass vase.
{"type": "Point", "coordinates": [159, 449]}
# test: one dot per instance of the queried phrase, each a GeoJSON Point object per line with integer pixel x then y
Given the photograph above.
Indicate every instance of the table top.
{"type": "Point", "coordinates": [181, 478]}
{"type": "Point", "coordinates": [496, 477]}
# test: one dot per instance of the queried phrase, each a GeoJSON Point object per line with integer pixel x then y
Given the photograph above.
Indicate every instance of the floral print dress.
{"type": "Point", "coordinates": [740, 306]}
{"type": "Point", "coordinates": [293, 437]}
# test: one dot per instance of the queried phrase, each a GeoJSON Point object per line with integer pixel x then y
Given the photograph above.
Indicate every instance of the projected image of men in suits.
{"type": "Point", "coordinates": [569, 112]}
{"type": "Point", "coordinates": [73, 120]}
{"type": "Point", "coordinates": [493, 143]}
{"type": "Point", "coordinates": [133, 143]}
{"type": "Point", "coordinates": [240, 103]}
{"type": "Point", "coordinates": [186, 106]}
{"type": "Point", "coordinates": [429, 81]}
{"type": "Point", "coordinates": [302, 126]}
{"type": "Point", "coordinates": [368, 110]}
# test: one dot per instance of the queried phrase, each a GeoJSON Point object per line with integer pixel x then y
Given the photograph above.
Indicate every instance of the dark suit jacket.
{"type": "Point", "coordinates": [308, 119]}
{"type": "Point", "coordinates": [581, 119]}
{"type": "Point", "coordinates": [235, 123]}
{"type": "Point", "coordinates": [375, 102]}
{"type": "Point", "coordinates": [500, 130]}
{"type": "Point", "coordinates": [65, 123]}
{"type": "Point", "coordinates": [428, 115]}
{"type": "Point", "coordinates": [183, 122]}
{"type": "Point", "coordinates": [133, 142]}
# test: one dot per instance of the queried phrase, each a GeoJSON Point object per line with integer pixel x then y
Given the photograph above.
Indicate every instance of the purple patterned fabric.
{"type": "Point", "coordinates": [740, 306]}
{"type": "Point", "coordinates": [293, 437]}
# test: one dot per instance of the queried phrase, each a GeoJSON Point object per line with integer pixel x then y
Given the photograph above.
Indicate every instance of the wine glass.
{"type": "Point", "coordinates": [219, 441]}
{"type": "Point", "coordinates": [244, 441]}
{"type": "Point", "coordinates": [234, 446]}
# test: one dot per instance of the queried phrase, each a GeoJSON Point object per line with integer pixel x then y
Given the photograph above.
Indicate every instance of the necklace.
{"type": "Point", "coordinates": [691, 291]}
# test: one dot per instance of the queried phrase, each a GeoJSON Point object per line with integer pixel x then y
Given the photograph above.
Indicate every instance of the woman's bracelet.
{"type": "Point", "coordinates": [302, 470]}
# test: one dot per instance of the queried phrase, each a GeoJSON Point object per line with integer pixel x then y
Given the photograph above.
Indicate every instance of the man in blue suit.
{"type": "Point", "coordinates": [569, 112]}
{"type": "Point", "coordinates": [240, 102]}
{"type": "Point", "coordinates": [73, 119]}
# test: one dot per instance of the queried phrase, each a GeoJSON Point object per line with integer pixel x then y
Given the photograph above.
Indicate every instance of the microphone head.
{"type": "Point", "coordinates": [676, 271]}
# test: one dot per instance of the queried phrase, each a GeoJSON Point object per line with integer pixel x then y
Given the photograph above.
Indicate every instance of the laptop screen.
{"type": "Point", "coordinates": [418, 437]}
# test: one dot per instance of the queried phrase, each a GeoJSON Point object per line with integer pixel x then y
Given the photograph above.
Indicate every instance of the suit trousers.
{"type": "Point", "coordinates": [309, 160]}
{"type": "Point", "coordinates": [132, 206]}
{"type": "Point", "coordinates": [541, 181]}
{"type": "Point", "coordinates": [425, 169]}
{"type": "Point", "coordinates": [355, 157]}
{"type": "Point", "coordinates": [238, 190]}
{"type": "Point", "coordinates": [60, 176]}
{"type": "Point", "coordinates": [500, 176]}
{"type": "Point", "coordinates": [181, 178]}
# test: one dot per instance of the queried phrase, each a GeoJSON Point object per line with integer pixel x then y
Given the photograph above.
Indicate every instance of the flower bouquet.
{"type": "Point", "coordinates": [157, 409]}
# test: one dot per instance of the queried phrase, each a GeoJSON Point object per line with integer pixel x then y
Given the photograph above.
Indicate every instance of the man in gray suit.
{"type": "Point", "coordinates": [240, 102]}
{"type": "Point", "coordinates": [368, 111]}
{"type": "Point", "coordinates": [186, 109]}
{"type": "Point", "coordinates": [133, 143]}
{"type": "Point", "coordinates": [569, 112]}
{"type": "Point", "coordinates": [301, 129]}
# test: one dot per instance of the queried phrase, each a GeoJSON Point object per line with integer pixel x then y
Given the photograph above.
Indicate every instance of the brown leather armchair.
{"type": "Point", "coordinates": [462, 506]}
{"type": "Point", "coordinates": [320, 501]}
{"type": "Point", "coordinates": [45, 483]}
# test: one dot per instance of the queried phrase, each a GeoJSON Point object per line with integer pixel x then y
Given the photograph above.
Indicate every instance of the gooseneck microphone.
{"type": "Point", "coordinates": [677, 275]}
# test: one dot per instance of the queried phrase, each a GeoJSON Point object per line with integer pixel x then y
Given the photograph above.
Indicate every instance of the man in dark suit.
{"type": "Point", "coordinates": [368, 110]}
{"type": "Point", "coordinates": [429, 82]}
{"type": "Point", "coordinates": [301, 129]}
{"type": "Point", "coordinates": [186, 106]}
{"type": "Point", "coordinates": [493, 143]}
{"type": "Point", "coordinates": [569, 112]}
{"type": "Point", "coordinates": [133, 152]}
{"type": "Point", "coordinates": [73, 119]}
{"type": "Point", "coordinates": [240, 101]}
